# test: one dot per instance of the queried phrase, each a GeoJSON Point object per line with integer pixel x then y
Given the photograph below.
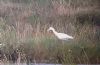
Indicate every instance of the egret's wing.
{"type": "Point", "coordinates": [68, 36]}
{"type": "Point", "coordinates": [63, 35]}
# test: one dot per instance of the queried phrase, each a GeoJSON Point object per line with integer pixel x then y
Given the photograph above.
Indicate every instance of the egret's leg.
{"type": "Point", "coordinates": [63, 44]}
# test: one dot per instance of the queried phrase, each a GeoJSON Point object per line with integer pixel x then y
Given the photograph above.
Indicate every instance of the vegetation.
{"type": "Point", "coordinates": [24, 24]}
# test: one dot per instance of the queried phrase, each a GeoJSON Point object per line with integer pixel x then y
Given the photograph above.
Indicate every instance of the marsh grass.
{"type": "Point", "coordinates": [55, 51]}
{"type": "Point", "coordinates": [24, 24]}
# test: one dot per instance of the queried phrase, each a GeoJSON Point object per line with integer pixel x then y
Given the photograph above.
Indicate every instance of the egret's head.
{"type": "Point", "coordinates": [51, 29]}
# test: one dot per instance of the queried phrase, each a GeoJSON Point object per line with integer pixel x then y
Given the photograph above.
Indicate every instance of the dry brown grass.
{"type": "Point", "coordinates": [24, 27]}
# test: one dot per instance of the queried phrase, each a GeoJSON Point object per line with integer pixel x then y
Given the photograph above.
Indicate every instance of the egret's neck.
{"type": "Point", "coordinates": [55, 32]}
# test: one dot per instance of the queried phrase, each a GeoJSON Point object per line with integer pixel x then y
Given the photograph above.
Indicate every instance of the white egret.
{"type": "Point", "coordinates": [61, 36]}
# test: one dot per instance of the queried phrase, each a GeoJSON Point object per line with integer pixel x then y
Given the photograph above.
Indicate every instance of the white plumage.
{"type": "Point", "coordinates": [61, 36]}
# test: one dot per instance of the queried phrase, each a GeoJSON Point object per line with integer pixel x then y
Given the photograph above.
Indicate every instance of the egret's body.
{"type": "Point", "coordinates": [61, 36]}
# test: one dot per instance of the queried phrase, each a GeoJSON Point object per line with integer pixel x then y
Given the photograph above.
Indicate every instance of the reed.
{"type": "Point", "coordinates": [24, 24]}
